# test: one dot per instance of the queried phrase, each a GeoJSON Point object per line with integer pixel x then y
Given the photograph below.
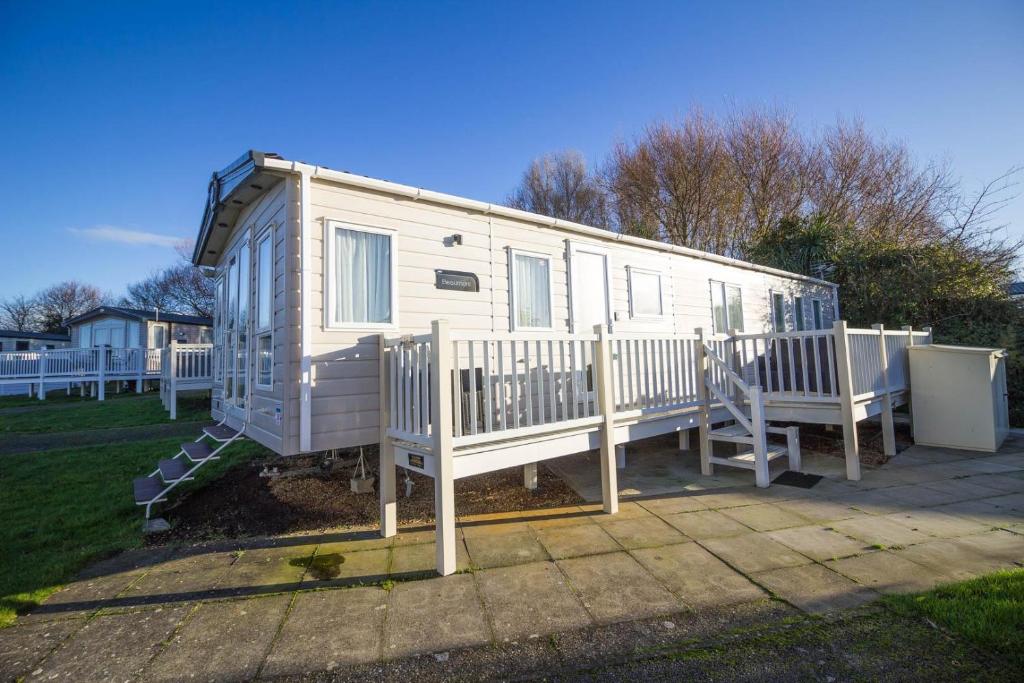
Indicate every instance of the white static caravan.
{"type": "Point", "coordinates": [337, 295]}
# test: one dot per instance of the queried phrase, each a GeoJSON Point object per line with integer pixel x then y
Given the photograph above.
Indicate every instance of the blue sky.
{"type": "Point", "coordinates": [113, 115]}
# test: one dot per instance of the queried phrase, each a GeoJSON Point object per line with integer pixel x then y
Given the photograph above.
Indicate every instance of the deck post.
{"type": "Point", "coordinates": [888, 428]}
{"type": "Point", "coordinates": [387, 474]}
{"type": "Point", "coordinates": [530, 476]}
{"type": "Point", "coordinates": [101, 386]}
{"type": "Point", "coordinates": [441, 445]}
{"type": "Point", "coordinates": [684, 439]}
{"type": "Point", "coordinates": [703, 426]}
{"type": "Point", "coordinates": [140, 382]}
{"type": "Point", "coordinates": [762, 475]}
{"type": "Point", "coordinates": [606, 397]}
{"type": "Point", "coordinates": [42, 375]}
{"type": "Point", "coordinates": [172, 390]}
{"type": "Point", "coordinates": [845, 380]}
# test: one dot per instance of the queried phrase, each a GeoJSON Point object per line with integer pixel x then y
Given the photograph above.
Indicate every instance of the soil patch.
{"type": "Point", "coordinates": [309, 496]}
{"type": "Point", "coordinates": [869, 434]}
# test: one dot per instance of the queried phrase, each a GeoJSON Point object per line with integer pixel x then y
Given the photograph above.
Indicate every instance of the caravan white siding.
{"type": "Point", "coordinates": [345, 373]}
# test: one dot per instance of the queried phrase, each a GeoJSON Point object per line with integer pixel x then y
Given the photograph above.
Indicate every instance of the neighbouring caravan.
{"type": "Point", "coordinates": [466, 337]}
{"type": "Point", "coordinates": [120, 327]}
{"type": "Point", "coordinates": [313, 264]}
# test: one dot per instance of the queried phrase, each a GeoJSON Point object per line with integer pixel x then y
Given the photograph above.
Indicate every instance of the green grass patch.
{"type": "Point", "coordinates": [987, 611]}
{"type": "Point", "coordinates": [82, 415]}
{"type": "Point", "coordinates": [60, 396]}
{"type": "Point", "coordinates": [62, 509]}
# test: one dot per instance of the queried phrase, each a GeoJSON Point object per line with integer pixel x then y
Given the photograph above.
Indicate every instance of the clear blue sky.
{"type": "Point", "coordinates": [113, 115]}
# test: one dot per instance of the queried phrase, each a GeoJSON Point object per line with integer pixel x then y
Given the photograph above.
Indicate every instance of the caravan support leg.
{"type": "Point", "coordinates": [530, 476]}
{"type": "Point", "coordinates": [684, 439]}
{"type": "Point", "coordinates": [388, 494]}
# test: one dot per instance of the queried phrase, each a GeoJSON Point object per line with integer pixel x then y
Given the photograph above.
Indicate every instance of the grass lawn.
{"type": "Point", "coordinates": [987, 611]}
{"type": "Point", "coordinates": [61, 396]}
{"type": "Point", "coordinates": [62, 509]}
{"type": "Point", "coordinates": [93, 414]}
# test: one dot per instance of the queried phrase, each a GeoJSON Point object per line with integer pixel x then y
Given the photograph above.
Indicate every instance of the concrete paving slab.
{"type": "Point", "coordinates": [345, 541]}
{"type": "Point", "coordinates": [479, 528]}
{"type": "Point", "coordinates": [530, 600]}
{"type": "Point", "coordinates": [983, 466]}
{"type": "Point", "coordinates": [576, 541]}
{"type": "Point", "coordinates": [696, 576]}
{"type": "Point", "coordinates": [999, 482]}
{"type": "Point", "coordinates": [706, 524]}
{"type": "Point", "coordinates": [926, 473]}
{"type": "Point", "coordinates": [938, 524]}
{"type": "Point", "coordinates": [24, 645]}
{"type": "Point", "coordinates": [502, 550]}
{"type": "Point", "coordinates": [627, 510]}
{"type": "Point", "coordinates": [170, 588]}
{"type": "Point", "coordinates": [227, 639]}
{"type": "Point", "coordinates": [647, 532]}
{"type": "Point", "coordinates": [331, 567]}
{"type": "Point", "coordinates": [815, 589]}
{"type": "Point", "coordinates": [917, 495]}
{"type": "Point", "coordinates": [886, 572]}
{"type": "Point", "coordinates": [81, 598]}
{"type": "Point", "coordinates": [821, 510]}
{"type": "Point", "coordinates": [559, 517]}
{"type": "Point", "coordinates": [198, 559]}
{"type": "Point", "coordinates": [958, 490]}
{"type": "Point", "coordinates": [266, 571]}
{"type": "Point", "coordinates": [875, 531]}
{"type": "Point", "coordinates": [765, 517]}
{"type": "Point", "coordinates": [731, 498]}
{"type": "Point", "coordinates": [951, 559]}
{"type": "Point", "coordinates": [420, 560]}
{"type": "Point", "coordinates": [998, 546]}
{"type": "Point", "coordinates": [754, 552]}
{"type": "Point", "coordinates": [982, 512]}
{"type": "Point", "coordinates": [615, 587]}
{"type": "Point", "coordinates": [112, 648]}
{"type": "Point", "coordinates": [673, 504]}
{"type": "Point", "coordinates": [329, 629]}
{"type": "Point", "coordinates": [819, 543]}
{"type": "Point", "coordinates": [1014, 501]}
{"type": "Point", "coordinates": [434, 615]}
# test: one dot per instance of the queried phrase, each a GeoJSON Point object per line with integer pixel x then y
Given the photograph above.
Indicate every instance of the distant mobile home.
{"type": "Point", "coordinates": [120, 327]}
{"type": "Point", "coordinates": [16, 340]}
{"type": "Point", "coordinates": [313, 265]}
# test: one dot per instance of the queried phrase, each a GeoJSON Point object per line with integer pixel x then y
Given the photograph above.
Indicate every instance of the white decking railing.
{"type": "Point", "coordinates": [507, 386]}
{"type": "Point", "coordinates": [184, 367]}
{"type": "Point", "coordinates": [88, 366]}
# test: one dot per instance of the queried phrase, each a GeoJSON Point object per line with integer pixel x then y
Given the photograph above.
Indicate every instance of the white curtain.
{"type": "Point", "coordinates": [533, 292]}
{"type": "Point", "coordinates": [363, 277]}
{"type": "Point", "coordinates": [646, 292]}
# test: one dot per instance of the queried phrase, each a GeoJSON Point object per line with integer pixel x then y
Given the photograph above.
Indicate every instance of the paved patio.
{"type": "Point", "coordinates": [551, 580]}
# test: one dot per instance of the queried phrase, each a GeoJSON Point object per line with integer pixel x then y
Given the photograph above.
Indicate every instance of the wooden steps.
{"type": "Point", "coordinates": [220, 432]}
{"type": "Point", "coordinates": [172, 469]}
{"type": "Point", "coordinates": [197, 451]}
{"type": "Point", "coordinates": [147, 490]}
{"type": "Point", "coordinates": [746, 458]}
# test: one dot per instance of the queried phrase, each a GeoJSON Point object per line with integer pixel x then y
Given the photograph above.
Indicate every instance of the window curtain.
{"type": "Point", "coordinates": [533, 292]}
{"type": "Point", "coordinates": [734, 301]}
{"type": "Point", "coordinates": [646, 290]}
{"type": "Point", "coordinates": [718, 315]}
{"type": "Point", "coordinates": [363, 277]}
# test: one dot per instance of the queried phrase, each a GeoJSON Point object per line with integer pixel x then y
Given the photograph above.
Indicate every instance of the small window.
{"type": "Point", "coordinates": [85, 336]}
{"type": "Point", "coordinates": [264, 282]}
{"type": "Point", "coordinates": [361, 288]}
{"type": "Point", "coordinates": [21, 346]}
{"type": "Point", "coordinates": [798, 313]}
{"type": "Point", "coordinates": [645, 295]}
{"type": "Point", "coordinates": [819, 321]}
{"type": "Point", "coordinates": [264, 360]}
{"type": "Point", "coordinates": [779, 311]}
{"type": "Point", "coordinates": [726, 307]}
{"type": "Point", "coordinates": [530, 297]}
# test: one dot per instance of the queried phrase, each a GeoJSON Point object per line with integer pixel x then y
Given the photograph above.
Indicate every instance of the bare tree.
{"type": "Point", "coordinates": [66, 300]}
{"type": "Point", "coordinates": [559, 185]}
{"type": "Point", "coordinates": [19, 313]}
{"type": "Point", "coordinates": [182, 288]}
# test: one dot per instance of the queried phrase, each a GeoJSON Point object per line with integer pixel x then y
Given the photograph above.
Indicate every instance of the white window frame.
{"type": "Point", "coordinates": [774, 296]}
{"type": "Point", "coordinates": [587, 248]}
{"type": "Point", "coordinates": [818, 313]}
{"type": "Point", "coordinates": [268, 329]}
{"type": "Point", "coordinates": [514, 326]}
{"type": "Point", "coordinates": [725, 302]}
{"type": "Point", "coordinates": [799, 317]}
{"type": "Point", "coordinates": [330, 275]}
{"type": "Point", "coordinates": [661, 293]}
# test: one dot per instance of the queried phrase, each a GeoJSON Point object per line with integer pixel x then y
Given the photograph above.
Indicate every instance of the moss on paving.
{"type": "Point", "coordinates": [88, 415]}
{"type": "Point", "coordinates": [62, 509]}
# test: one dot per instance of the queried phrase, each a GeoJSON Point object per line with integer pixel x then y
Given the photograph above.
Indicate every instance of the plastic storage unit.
{"type": "Point", "coordinates": [959, 396]}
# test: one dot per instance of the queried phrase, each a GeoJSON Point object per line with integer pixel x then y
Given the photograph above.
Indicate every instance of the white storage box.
{"type": "Point", "coordinates": [958, 395]}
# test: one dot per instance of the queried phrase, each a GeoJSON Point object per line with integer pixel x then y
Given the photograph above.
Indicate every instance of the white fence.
{"type": "Point", "coordinates": [102, 364]}
{"type": "Point", "coordinates": [184, 367]}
